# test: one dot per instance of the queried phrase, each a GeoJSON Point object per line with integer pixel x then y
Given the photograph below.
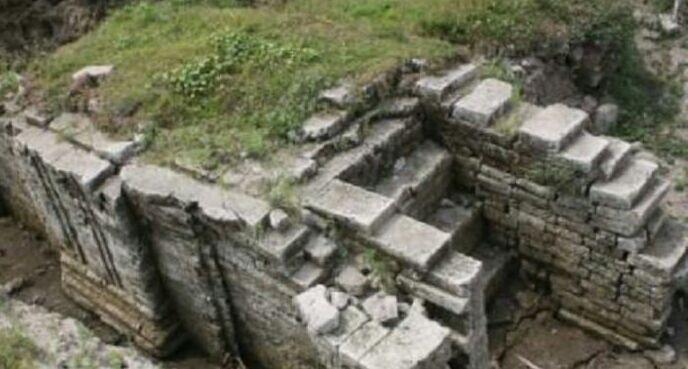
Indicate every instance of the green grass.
{"type": "Point", "coordinates": [16, 351]}
{"type": "Point", "coordinates": [219, 82]}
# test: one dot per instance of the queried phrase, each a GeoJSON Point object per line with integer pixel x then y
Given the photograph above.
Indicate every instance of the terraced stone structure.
{"type": "Point", "coordinates": [411, 214]}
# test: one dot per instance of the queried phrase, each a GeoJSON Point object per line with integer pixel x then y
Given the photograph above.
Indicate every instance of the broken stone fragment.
{"type": "Point", "coordinates": [605, 118]}
{"type": "Point", "coordinates": [664, 356]}
{"type": "Point", "coordinates": [95, 72]}
{"type": "Point", "coordinates": [352, 281]}
{"type": "Point", "coordinates": [668, 24]}
{"type": "Point", "coordinates": [320, 316]}
{"type": "Point", "coordinates": [36, 118]}
{"type": "Point", "coordinates": [339, 299]}
{"type": "Point", "coordinates": [279, 220]}
{"type": "Point", "coordinates": [382, 307]}
{"type": "Point", "coordinates": [340, 96]}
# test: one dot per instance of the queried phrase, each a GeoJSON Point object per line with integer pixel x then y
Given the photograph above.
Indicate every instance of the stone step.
{"type": "Point", "coordinates": [354, 206]}
{"type": "Point", "coordinates": [663, 257]}
{"type": "Point", "coordinates": [322, 126]}
{"type": "Point", "coordinates": [436, 88]}
{"type": "Point", "coordinates": [497, 264]}
{"type": "Point", "coordinates": [585, 153]}
{"type": "Point", "coordinates": [385, 138]}
{"type": "Point", "coordinates": [320, 250]}
{"type": "Point", "coordinates": [619, 154]}
{"type": "Point", "coordinates": [417, 244]}
{"type": "Point", "coordinates": [628, 222]}
{"type": "Point", "coordinates": [623, 190]}
{"type": "Point", "coordinates": [553, 128]}
{"type": "Point", "coordinates": [509, 124]}
{"type": "Point", "coordinates": [284, 246]}
{"type": "Point", "coordinates": [80, 130]}
{"type": "Point", "coordinates": [490, 99]}
{"type": "Point", "coordinates": [424, 171]}
{"type": "Point", "coordinates": [457, 273]}
{"type": "Point", "coordinates": [463, 223]}
{"type": "Point", "coordinates": [417, 342]}
{"type": "Point", "coordinates": [308, 275]}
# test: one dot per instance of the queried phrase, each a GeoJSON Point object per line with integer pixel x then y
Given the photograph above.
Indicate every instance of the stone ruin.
{"type": "Point", "coordinates": [412, 214]}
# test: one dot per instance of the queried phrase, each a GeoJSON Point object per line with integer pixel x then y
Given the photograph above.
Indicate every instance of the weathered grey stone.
{"type": "Point", "coordinates": [361, 342]}
{"type": "Point", "coordinates": [382, 307]}
{"type": "Point", "coordinates": [339, 299]}
{"type": "Point", "coordinates": [668, 24]}
{"type": "Point", "coordinates": [353, 205]}
{"type": "Point", "coordinates": [553, 128]}
{"type": "Point", "coordinates": [624, 190]}
{"type": "Point", "coordinates": [619, 152]}
{"type": "Point", "coordinates": [448, 300]}
{"type": "Point", "coordinates": [665, 253]}
{"type": "Point", "coordinates": [457, 273]}
{"type": "Point", "coordinates": [490, 99]}
{"type": "Point", "coordinates": [96, 72]}
{"type": "Point", "coordinates": [352, 281]}
{"type": "Point", "coordinates": [79, 129]}
{"type": "Point", "coordinates": [217, 203]}
{"type": "Point", "coordinates": [36, 118]}
{"type": "Point", "coordinates": [417, 244]}
{"type": "Point", "coordinates": [279, 220]}
{"type": "Point", "coordinates": [324, 126]}
{"type": "Point", "coordinates": [437, 88]}
{"type": "Point", "coordinates": [416, 343]}
{"type": "Point", "coordinates": [282, 246]}
{"type": "Point", "coordinates": [605, 119]}
{"type": "Point", "coordinates": [663, 356]}
{"type": "Point", "coordinates": [308, 275]}
{"type": "Point", "coordinates": [320, 249]}
{"type": "Point", "coordinates": [632, 244]}
{"type": "Point", "coordinates": [320, 316]}
{"type": "Point", "coordinates": [341, 96]}
{"type": "Point", "coordinates": [585, 153]}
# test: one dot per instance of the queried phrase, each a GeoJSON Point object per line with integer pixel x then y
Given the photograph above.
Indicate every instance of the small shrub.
{"type": "Point", "coordinates": [383, 269]}
{"type": "Point", "coordinates": [562, 178]}
{"type": "Point", "coordinates": [282, 194]}
{"type": "Point", "coordinates": [9, 82]}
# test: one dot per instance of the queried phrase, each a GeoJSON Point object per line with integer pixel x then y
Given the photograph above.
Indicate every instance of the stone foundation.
{"type": "Point", "coordinates": [411, 215]}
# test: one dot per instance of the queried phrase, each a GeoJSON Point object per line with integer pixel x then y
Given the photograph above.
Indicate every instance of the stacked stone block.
{"type": "Point", "coordinates": [585, 233]}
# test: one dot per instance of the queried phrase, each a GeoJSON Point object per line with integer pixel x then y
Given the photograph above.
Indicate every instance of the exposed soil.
{"type": "Point", "coordinates": [29, 263]}
{"type": "Point", "coordinates": [524, 334]}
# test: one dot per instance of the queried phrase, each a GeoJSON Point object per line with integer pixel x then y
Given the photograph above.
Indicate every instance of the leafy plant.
{"type": "Point", "coordinates": [560, 177]}
{"type": "Point", "coordinates": [282, 194]}
{"type": "Point", "coordinates": [9, 82]}
{"type": "Point", "coordinates": [383, 269]}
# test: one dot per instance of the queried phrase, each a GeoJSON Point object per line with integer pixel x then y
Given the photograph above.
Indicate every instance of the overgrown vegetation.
{"type": "Point", "coordinates": [383, 269]}
{"type": "Point", "coordinates": [220, 82]}
{"type": "Point", "coordinates": [562, 178]}
{"type": "Point", "coordinates": [16, 350]}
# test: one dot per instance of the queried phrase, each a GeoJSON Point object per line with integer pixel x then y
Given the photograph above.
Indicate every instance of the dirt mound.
{"type": "Point", "coordinates": [26, 26]}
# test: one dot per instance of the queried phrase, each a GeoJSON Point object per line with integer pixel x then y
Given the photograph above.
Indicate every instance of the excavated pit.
{"type": "Point", "coordinates": [412, 216]}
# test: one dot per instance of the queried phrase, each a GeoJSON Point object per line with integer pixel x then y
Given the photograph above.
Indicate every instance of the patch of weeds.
{"type": "Point", "coordinates": [282, 194]}
{"type": "Point", "coordinates": [9, 82]}
{"type": "Point", "coordinates": [232, 51]}
{"type": "Point", "coordinates": [383, 269]}
{"type": "Point", "coordinates": [16, 350]}
{"type": "Point", "coordinates": [563, 178]}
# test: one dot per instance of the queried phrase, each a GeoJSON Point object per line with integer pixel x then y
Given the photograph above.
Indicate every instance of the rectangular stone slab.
{"type": "Point", "coordinates": [488, 100]}
{"type": "Point", "coordinates": [619, 152]}
{"type": "Point", "coordinates": [623, 190]}
{"type": "Point", "coordinates": [585, 153]}
{"type": "Point", "coordinates": [438, 87]}
{"type": "Point", "coordinates": [416, 343]}
{"type": "Point", "coordinates": [666, 252]}
{"type": "Point", "coordinates": [323, 126]}
{"type": "Point", "coordinates": [360, 342]}
{"type": "Point", "coordinates": [457, 273]}
{"type": "Point", "coordinates": [553, 128]}
{"type": "Point", "coordinates": [417, 244]}
{"type": "Point", "coordinates": [354, 205]}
